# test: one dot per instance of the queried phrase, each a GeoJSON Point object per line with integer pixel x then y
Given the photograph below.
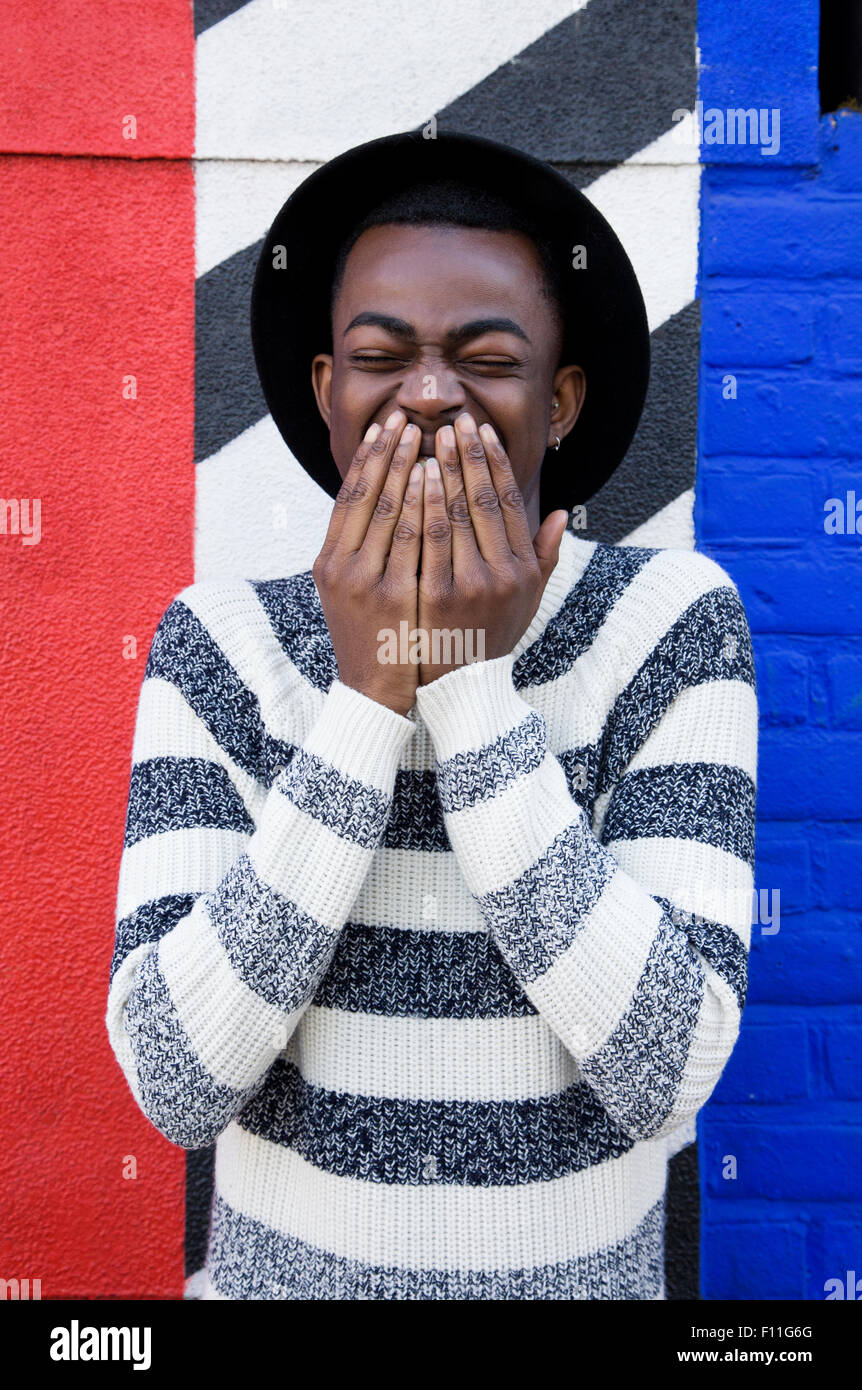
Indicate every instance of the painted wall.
{"type": "Point", "coordinates": [138, 189]}
{"type": "Point", "coordinates": [97, 405]}
{"type": "Point", "coordinates": [780, 430]}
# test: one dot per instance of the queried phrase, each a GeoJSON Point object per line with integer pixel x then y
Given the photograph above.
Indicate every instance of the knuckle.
{"type": "Point", "coordinates": [486, 498]}
{"type": "Point", "coordinates": [360, 490]}
{"type": "Point", "coordinates": [439, 529]}
{"type": "Point", "coordinates": [405, 530]}
{"type": "Point", "coordinates": [510, 496]}
{"type": "Point", "coordinates": [475, 451]}
{"type": "Point", "coordinates": [386, 505]}
{"type": "Point", "coordinates": [459, 511]}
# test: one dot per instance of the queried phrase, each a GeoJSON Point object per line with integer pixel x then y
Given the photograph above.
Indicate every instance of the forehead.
{"type": "Point", "coordinates": [443, 275]}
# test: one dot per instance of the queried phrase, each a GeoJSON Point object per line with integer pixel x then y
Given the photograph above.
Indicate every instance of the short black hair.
{"type": "Point", "coordinates": [454, 203]}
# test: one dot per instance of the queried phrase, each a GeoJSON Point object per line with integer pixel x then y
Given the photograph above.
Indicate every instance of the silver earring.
{"type": "Point", "coordinates": [556, 441]}
{"type": "Point", "coordinates": [555, 405]}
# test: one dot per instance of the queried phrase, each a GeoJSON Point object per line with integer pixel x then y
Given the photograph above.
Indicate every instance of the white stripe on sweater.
{"type": "Point", "coordinates": [726, 709]}
{"type": "Point", "coordinates": [443, 1225]}
{"type": "Point", "coordinates": [697, 878]}
{"type": "Point", "coordinates": [175, 861]}
{"type": "Point", "coordinates": [406, 1058]}
{"type": "Point", "coordinates": [209, 997]}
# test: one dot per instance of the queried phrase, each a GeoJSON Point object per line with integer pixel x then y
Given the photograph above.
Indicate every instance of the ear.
{"type": "Point", "coordinates": [570, 388]}
{"type": "Point", "coordinates": [321, 381]}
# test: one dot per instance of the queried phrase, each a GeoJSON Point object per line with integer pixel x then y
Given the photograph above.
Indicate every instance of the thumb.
{"type": "Point", "coordinates": [547, 541]}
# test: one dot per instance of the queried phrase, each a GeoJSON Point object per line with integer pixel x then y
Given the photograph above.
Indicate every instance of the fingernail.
{"type": "Point", "coordinates": [416, 472]}
{"type": "Point", "coordinates": [393, 420]}
{"type": "Point", "coordinates": [446, 436]}
{"type": "Point", "coordinates": [371, 433]}
{"type": "Point", "coordinates": [487, 432]}
{"type": "Point", "coordinates": [432, 468]}
{"type": "Point", "coordinates": [410, 432]}
{"type": "Point", "coordinates": [465, 419]}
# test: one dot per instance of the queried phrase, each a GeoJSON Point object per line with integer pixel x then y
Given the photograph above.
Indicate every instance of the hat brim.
{"type": "Point", "coordinates": [290, 299]}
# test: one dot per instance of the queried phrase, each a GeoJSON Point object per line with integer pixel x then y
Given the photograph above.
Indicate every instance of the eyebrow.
{"type": "Point", "coordinates": [400, 328]}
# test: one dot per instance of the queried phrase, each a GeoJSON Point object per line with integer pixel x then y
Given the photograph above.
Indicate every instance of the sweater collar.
{"type": "Point", "coordinates": [554, 595]}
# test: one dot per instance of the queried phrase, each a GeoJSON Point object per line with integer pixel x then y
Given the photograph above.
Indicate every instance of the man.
{"type": "Point", "coordinates": [444, 954]}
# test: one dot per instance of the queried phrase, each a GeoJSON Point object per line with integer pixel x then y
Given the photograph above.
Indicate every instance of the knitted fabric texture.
{"type": "Point", "coordinates": [445, 990]}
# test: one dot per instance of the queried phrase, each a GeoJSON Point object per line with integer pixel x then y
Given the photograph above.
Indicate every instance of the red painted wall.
{"type": "Point", "coordinates": [96, 284]}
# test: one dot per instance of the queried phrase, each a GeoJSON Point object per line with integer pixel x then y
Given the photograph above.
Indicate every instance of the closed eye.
{"type": "Point", "coordinates": [490, 366]}
{"type": "Point", "coordinates": [389, 359]}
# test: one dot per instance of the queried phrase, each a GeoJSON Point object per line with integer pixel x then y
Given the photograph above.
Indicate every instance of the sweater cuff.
{"type": "Point", "coordinates": [471, 706]}
{"type": "Point", "coordinates": [359, 737]}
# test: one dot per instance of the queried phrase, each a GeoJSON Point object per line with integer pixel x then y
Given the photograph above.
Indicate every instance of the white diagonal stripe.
{"type": "Point", "coordinates": [305, 80]}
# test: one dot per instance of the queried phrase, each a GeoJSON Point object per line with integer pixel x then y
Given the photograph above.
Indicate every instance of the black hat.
{"type": "Point", "coordinates": [290, 298]}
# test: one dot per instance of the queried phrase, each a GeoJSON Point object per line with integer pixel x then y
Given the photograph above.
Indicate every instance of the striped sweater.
{"type": "Point", "coordinates": [446, 990]}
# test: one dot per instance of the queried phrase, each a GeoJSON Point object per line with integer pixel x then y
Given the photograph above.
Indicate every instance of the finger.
{"type": "Point", "coordinates": [360, 505]}
{"type": "Point", "coordinates": [509, 494]}
{"type": "Point", "coordinates": [402, 566]}
{"type": "Point", "coordinates": [482, 496]}
{"type": "Point", "coordinates": [348, 482]}
{"type": "Point", "coordinates": [436, 531]}
{"type": "Point", "coordinates": [465, 551]}
{"type": "Point", "coordinates": [384, 518]}
{"type": "Point", "coordinates": [548, 538]}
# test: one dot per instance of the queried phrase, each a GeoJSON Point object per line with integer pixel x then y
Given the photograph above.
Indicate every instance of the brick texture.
{"type": "Point", "coordinates": [780, 426]}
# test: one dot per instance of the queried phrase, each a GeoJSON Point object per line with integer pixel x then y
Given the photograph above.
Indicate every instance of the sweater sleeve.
{"type": "Point", "coordinates": [630, 940]}
{"type": "Point", "coordinates": [232, 896]}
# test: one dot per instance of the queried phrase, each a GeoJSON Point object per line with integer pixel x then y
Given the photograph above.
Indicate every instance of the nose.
{"type": "Point", "coordinates": [431, 395]}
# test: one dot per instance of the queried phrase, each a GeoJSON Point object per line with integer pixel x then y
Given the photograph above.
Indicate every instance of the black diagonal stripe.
{"type": "Point", "coordinates": [228, 397]}
{"type": "Point", "coordinates": [209, 12]}
{"type": "Point", "coordinates": [660, 463]}
{"type": "Point", "coordinates": [597, 87]}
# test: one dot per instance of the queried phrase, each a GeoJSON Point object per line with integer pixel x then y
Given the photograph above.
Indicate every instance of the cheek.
{"type": "Point", "coordinates": [345, 430]}
{"type": "Point", "coordinates": [525, 430]}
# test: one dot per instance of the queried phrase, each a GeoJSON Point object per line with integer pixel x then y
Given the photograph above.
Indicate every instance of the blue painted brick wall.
{"type": "Point", "coordinates": [781, 294]}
